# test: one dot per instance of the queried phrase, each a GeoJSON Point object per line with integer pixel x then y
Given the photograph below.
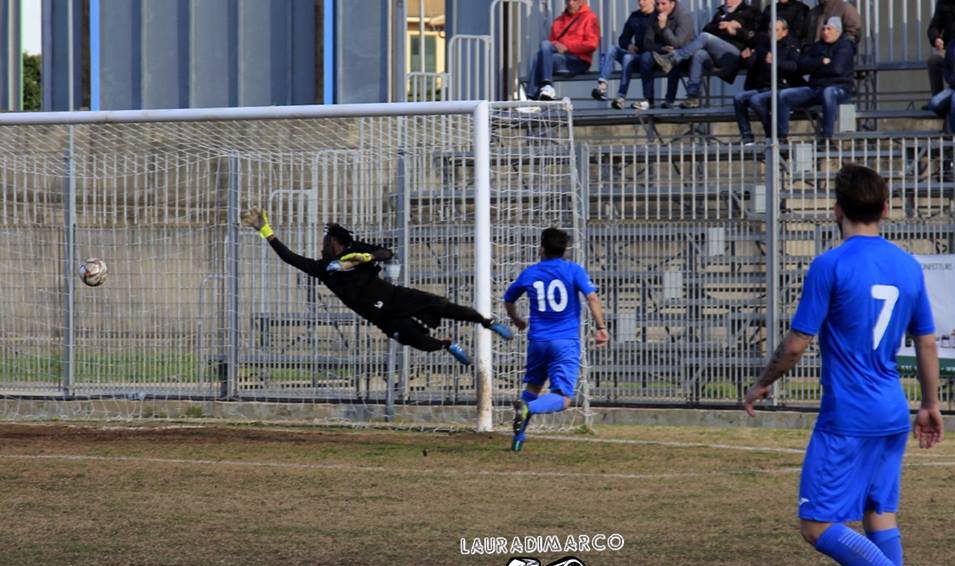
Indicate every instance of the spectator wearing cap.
{"type": "Point", "coordinates": [825, 10]}
{"type": "Point", "coordinates": [574, 36]}
{"type": "Point", "coordinates": [830, 64]}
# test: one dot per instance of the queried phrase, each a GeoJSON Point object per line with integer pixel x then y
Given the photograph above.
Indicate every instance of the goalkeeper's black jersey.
{"type": "Point", "coordinates": [360, 289]}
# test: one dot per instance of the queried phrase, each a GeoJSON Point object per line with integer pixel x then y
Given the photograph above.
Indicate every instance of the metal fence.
{"type": "Point", "coordinates": [677, 238]}
{"type": "Point", "coordinates": [675, 235]}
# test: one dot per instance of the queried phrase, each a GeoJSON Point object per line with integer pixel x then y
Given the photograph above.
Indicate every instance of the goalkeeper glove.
{"type": "Point", "coordinates": [356, 258]}
{"type": "Point", "coordinates": [257, 219]}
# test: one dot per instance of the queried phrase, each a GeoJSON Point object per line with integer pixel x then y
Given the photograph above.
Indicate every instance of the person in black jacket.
{"type": "Point", "coordinates": [349, 269]}
{"type": "Point", "coordinates": [635, 43]}
{"type": "Point", "coordinates": [943, 102]}
{"type": "Point", "coordinates": [731, 30]}
{"type": "Point", "coordinates": [941, 31]}
{"type": "Point", "coordinates": [757, 91]}
{"type": "Point", "coordinates": [796, 15]}
{"type": "Point", "coordinates": [830, 64]}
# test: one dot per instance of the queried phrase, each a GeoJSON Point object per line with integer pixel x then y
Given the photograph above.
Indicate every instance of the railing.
{"type": "Point", "coordinates": [893, 35]}
{"type": "Point", "coordinates": [427, 87]}
{"type": "Point", "coordinates": [469, 67]}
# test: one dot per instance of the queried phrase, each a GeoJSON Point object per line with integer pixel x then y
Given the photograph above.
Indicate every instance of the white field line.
{"type": "Point", "coordinates": [911, 453]}
{"type": "Point", "coordinates": [412, 471]}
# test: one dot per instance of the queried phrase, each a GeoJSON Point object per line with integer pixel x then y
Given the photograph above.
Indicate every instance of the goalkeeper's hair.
{"type": "Point", "coordinates": [339, 233]}
{"type": "Point", "coordinates": [554, 241]}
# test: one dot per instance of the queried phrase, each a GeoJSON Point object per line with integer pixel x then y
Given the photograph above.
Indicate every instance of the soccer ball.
{"type": "Point", "coordinates": [93, 272]}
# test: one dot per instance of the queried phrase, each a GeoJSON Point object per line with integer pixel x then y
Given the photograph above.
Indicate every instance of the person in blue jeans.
{"type": "Point", "coordinates": [943, 102]}
{"type": "Point", "coordinates": [731, 30]}
{"type": "Point", "coordinates": [757, 92]}
{"type": "Point", "coordinates": [860, 298]}
{"type": "Point", "coordinates": [634, 45]}
{"type": "Point", "coordinates": [568, 50]}
{"type": "Point", "coordinates": [830, 64]}
{"type": "Point", "coordinates": [553, 287]}
{"type": "Point", "coordinates": [673, 29]}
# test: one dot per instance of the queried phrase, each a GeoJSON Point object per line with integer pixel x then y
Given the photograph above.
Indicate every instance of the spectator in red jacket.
{"type": "Point", "coordinates": [574, 36]}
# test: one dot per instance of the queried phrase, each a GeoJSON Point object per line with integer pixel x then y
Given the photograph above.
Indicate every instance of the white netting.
{"type": "Point", "coordinates": [187, 317]}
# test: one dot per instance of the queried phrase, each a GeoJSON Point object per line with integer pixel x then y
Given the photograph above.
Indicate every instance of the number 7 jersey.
{"type": "Point", "coordinates": [553, 288]}
{"type": "Point", "coordinates": [861, 298]}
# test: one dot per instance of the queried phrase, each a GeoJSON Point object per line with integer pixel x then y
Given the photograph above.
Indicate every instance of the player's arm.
{"type": "Point", "coordinates": [786, 356]}
{"type": "Point", "coordinates": [513, 293]}
{"type": "Point", "coordinates": [928, 424]}
{"type": "Point", "coordinates": [258, 220]}
{"type": "Point", "coordinates": [519, 322]}
{"type": "Point", "coordinates": [601, 336]}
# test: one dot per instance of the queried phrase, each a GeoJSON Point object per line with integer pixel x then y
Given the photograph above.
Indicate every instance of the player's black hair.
{"type": "Point", "coordinates": [339, 233]}
{"type": "Point", "coordinates": [861, 193]}
{"type": "Point", "coordinates": [554, 241]}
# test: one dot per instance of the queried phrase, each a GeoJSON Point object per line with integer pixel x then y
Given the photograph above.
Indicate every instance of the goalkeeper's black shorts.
{"type": "Point", "coordinates": [426, 308]}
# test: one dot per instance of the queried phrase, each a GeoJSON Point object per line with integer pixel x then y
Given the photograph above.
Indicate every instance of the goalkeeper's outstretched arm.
{"type": "Point", "coordinates": [256, 219]}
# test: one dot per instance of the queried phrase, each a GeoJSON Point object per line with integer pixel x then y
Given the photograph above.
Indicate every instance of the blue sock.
{"type": "Point", "coordinates": [527, 396]}
{"type": "Point", "coordinates": [889, 542]}
{"type": "Point", "coordinates": [550, 403]}
{"type": "Point", "coordinates": [849, 548]}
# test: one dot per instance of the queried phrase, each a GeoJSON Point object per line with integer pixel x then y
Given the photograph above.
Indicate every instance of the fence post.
{"type": "Point", "coordinates": [69, 271]}
{"type": "Point", "coordinates": [772, 256]}
{"type": "Point", "coordinates": [230, 386]}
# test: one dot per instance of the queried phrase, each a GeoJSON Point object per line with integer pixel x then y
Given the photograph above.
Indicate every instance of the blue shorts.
{"type": "Point", "coordinates": [843, 477]}
{"type": "Point", "coordinates": [558, 360]}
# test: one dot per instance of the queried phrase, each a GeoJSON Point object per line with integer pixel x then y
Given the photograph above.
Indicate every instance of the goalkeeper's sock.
{"type": "Point", "coordinates": [889, 542]}
{"type": "Point", "coordinates": [849, 548]}
{"type": "Point", "coordinates": [527, 397]}
{"type": "Point", "coordinates": [549, 403]}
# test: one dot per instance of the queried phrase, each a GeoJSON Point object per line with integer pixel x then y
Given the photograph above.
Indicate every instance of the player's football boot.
{"type": "Point", "coordinates": [459, 353]}
{"type": "Point", "coordinates": [521, 416]}
{"type": "Point", "coordinates": [501, 330]}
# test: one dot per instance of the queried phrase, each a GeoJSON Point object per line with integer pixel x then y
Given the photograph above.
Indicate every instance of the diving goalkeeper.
{"type": "Point", "coordinates": [349, 269]}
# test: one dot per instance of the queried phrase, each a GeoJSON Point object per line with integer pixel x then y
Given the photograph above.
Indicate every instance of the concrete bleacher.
{"type": "Point", "coordinates": [891, 81]}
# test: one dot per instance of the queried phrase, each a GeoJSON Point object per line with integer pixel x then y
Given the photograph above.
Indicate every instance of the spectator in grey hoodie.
{"type": "Point", "coordinates": [674, 29]}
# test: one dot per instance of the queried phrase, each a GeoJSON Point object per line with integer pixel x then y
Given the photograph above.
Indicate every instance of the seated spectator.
{"type": "Point", "coordinates": [941, 31]}
{"type": "Point", "coordinates": [574, 36]}
{"type": "Point", "coordinates": [943, 102]}
{"type": "Point", "coordinates": [731, 30]}
{"type": "Point", "coordinates": [829, 64]}
{"type": "Point", "coordinates": [796, 15]}
{"type": "Point", "coordinates": [634, 45]}
{"type": "Point", "coordinates": [827, 9]}
{"type": "Point", "coordinates": [757, 91]}
{"type": "Point", "coordinates": [674, 29]}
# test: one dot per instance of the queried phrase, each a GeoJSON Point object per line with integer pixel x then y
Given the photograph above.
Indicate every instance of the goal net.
{"type": "Point", "coordinates": [199, 317]}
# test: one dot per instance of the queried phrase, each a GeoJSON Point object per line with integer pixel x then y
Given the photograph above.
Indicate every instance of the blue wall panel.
{"type": "Point", "coordinates": [56, 72]}
{"type": "Point", "coordinates": [213, 72]}
{"type": "Point", "coordinates": [165, 54]}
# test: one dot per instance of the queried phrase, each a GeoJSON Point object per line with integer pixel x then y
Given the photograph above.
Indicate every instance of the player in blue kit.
{"type": "Point", "coordinates": [553, 287]}
{"type": "Point", "coordinates": [860, 298]}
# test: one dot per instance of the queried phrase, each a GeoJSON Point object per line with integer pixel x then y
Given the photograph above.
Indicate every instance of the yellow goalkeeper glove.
{"type": "Point", "coordinates": [352, 260]}
{"type": "Point", "coordinates": [257, 219]}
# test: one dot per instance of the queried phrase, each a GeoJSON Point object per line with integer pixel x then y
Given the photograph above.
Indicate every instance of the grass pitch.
{"type": "Point", "coordinates": [208, 494]}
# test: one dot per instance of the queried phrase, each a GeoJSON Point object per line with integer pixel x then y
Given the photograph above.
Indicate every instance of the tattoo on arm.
{"type": "Point", "coordinates": [782, 361]}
